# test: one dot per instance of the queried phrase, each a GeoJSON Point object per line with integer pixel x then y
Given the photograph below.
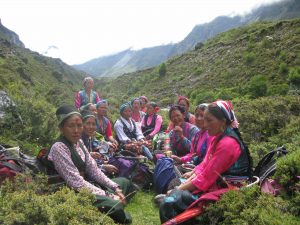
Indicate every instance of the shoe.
{"type": "Point", "coordinates": [159, 198]}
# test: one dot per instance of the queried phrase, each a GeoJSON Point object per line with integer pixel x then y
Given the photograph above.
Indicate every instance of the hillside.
{"type": "Point", "coordinates": [12, 37]}
{"type": "Point", "coordinates": [129, 60]}
{"type": "Point", "coordinates": [224, 64]}
{"type": "Point", "coordinates": [37, 85]}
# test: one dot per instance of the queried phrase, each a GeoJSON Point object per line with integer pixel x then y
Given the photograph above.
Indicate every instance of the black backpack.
{"type": "Point", "coordinates": [266, 167]}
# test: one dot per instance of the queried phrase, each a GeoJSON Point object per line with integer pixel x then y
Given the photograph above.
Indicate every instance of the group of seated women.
{"type": "Point", "coordinates": [210, 139]}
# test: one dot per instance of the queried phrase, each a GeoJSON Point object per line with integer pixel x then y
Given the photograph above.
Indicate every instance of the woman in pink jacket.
{"type": "Point", "coordinates": [226, 154]}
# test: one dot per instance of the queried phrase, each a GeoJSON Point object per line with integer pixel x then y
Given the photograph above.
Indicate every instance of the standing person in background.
{"type": "Point", "coordinates": [103, 123]}
{"type": "Point", "coordinates": [87, 95]}
{"type": "Point", "coordinates": [137, 115]}
{"type": "Point", "coordinates": [188, 117]}
{"type": "Point", "coordinates": [74, 164]}
{"type": "Point", "coordinates": [152, 122]}
{"type": "Point", "coordinates": [144, 100]}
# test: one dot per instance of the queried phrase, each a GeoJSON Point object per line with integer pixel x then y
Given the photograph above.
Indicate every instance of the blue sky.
{"type": "Point", "coordinates": [79, 30]}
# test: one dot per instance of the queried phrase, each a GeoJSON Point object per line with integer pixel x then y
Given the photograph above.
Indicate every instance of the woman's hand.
{"type": "Point", "coordinates": [112, 145]}
{"type": "Point", "coordinates": [121, 196]}
{"type": "Point", "coordinates": [187, 175]}
{"type": "Point", "coordinates": [179, 131]}
{"type": "Point", "coordinates": [110, 168]}
{"type": "Point", "coordinates": [96, 155]}
{"type": "Point", "coordinates": [176, 159]}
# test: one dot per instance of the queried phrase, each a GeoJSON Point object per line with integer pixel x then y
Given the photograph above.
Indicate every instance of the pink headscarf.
{"type": "Point", "coordinates": [183, 98]}
{"type": "Point", "coordinates": [228, 112]}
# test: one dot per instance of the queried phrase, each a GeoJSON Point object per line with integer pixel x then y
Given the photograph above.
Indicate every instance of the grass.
{"type": "Point", "coordinates": [143, 209]}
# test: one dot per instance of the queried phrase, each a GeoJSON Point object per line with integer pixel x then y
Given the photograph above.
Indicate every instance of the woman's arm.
{"type": "Point", "coordinates": [158, 123]}
{"type": "Point", "coordinates": [61, 157]}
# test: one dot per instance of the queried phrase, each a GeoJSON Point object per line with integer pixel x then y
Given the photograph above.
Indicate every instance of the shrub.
{"type": "Point", "coordinates": [288, 168]}
{"type": "Point", "coordinates": [278, 89]}
{"type": "Point", "coordinates": [27, 205]}
{"type": "Point", "coordinates": [249, 57]}
{"type": "Point", "coordinates": [283, 68]}
{"type": "Point", "coordinates": [162, 70]}
{"type": "Point", "coordinates": [294, 76]}
{"type": "Point", "coordinates": [258, 86]}
{"type": "Point", "coordinates": [249, 207]}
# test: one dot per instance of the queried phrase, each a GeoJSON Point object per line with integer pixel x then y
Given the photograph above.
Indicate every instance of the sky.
{"type": "Point", "coordinates": [80, 30]}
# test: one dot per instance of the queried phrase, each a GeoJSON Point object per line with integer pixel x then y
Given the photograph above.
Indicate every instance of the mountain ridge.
{"type": "Point", "coordinates": [148, 57]}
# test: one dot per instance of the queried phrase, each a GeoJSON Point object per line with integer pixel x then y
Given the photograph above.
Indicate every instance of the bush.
{"type": "Point", "coordinates": [249, 207]}
{"type": "Point", "coordinates": [258, 86]}
{"type": "Point", "coordinates": [288, 168]}
{"type": "Point", "coordinates": [249, 57]}
{"type": "Point", "coordinates": [294, 77]}
{"type": "Point", "coordinates": [283, 68]}
{"type": "Point", "coordinates": [278, 89]}
{"type": "Point", "coordinates": [27, 205]}
{"type": "Point", "coordinates": [162, 69]}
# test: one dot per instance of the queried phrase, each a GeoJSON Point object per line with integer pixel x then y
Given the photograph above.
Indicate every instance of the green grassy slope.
{"type": "Point", "coordinates": [225, 64]}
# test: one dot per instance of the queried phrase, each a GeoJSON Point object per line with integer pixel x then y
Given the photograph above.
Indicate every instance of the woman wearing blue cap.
{"type": "Point", "coordinates": [129, 134]}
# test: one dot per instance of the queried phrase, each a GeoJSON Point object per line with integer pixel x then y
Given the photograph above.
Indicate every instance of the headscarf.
{"type": "Point", "coordinates": [133, 100]}
{"type": "Point", "coordinates": [85, 107]}
{"type": "Point", "coordinates": [154, 105]}
{"type": "Point", "coordinates": [144, 97]}
{"type": "Point", "coordinates": [64, 112]}
{"type": "Point", "coordinates": [124, 106]}
{"type": "Point", "coordinates": [202, 106]}
{"type": "Point", "coordinates": [183, 98]}
{"type": "Point", "coordinates": [228, 112]}
{"type": "Point", "coordinates": [101, 102]}
{"type": "Point", "coordinates": [87, 114]}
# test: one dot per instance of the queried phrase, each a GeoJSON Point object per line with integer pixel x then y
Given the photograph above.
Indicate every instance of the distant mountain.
{"type": "Point", "coordinates": [12, 37]}
{"type": "Point", "coordinates": [129, 60]}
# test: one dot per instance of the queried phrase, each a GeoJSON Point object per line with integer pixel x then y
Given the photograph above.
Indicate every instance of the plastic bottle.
{"type": "Point", "coordinates": [167, 145]}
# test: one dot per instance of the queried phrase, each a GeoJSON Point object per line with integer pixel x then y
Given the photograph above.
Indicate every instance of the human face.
{"type": "Point", "coordinates": [143, 102]}
{"type": "Point", "coordinates": [72, 129]}
{"type": "Point", "coordinates": [93, 109]}
{"type": "Point", "coordinates": [102, 110]}
{"type": "Point", "coordinates": [150, 109]}
{"type": "Point", "coordinates": [136, 105]}
{"type": "Point", "coordinates": [199, 118]}
{"type": "Point", "coordinates": [213, 125]}
{"type": "Point", "coordinates": [177, 118]}
{"type": "Point", "coordinates": [89, 126]}
{"type": "Point", "coordinates": [184, 104]}
{"type": "Point", "coordinates": [89, 85]}
{"type": "Point", "coordinates": [126, 114]}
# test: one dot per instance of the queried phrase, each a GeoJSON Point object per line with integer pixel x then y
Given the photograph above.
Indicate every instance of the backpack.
{"type": "Point", "coordinates": [130, 167]}
{"type": "Point", "coordinates": [164, 173]}
{"type": "Point", "coordinates": [266, 167]}
{"type": "Point", "coordinates": [13, 161]}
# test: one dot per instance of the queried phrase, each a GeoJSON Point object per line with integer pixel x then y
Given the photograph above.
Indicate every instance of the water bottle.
{"type": "Point", "coordinates": [167, 145]}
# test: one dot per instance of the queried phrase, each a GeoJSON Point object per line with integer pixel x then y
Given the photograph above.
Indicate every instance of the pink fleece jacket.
{"type": "Point", "coordinates": [218, 159]}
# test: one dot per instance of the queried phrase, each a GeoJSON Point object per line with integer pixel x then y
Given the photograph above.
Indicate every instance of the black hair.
{"type": "Point", "coordinates": [217, 112]}
{"type": "Point", "coordinates": [176, 107]}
